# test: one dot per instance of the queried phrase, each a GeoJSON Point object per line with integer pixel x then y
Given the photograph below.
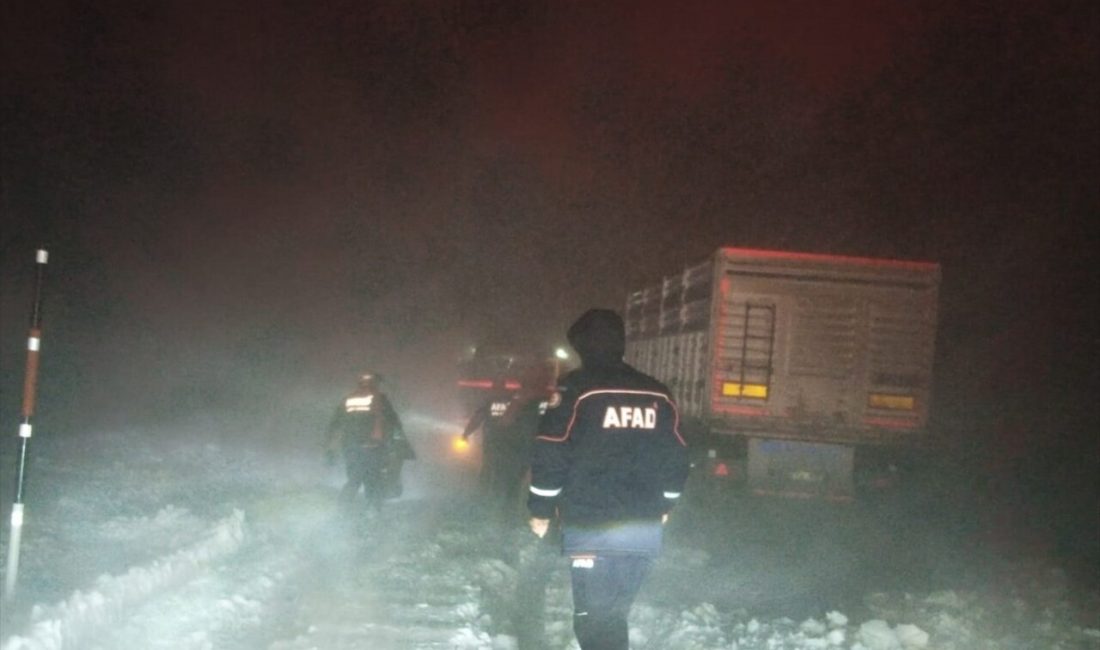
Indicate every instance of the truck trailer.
{"type": "Point", "coordinates": [796, 374]}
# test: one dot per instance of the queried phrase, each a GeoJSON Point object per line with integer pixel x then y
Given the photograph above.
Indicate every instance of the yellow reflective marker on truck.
{"type": "Point", "coordinates": [734, 389]}
{"type": "Point", "coordinates": [892, 402]}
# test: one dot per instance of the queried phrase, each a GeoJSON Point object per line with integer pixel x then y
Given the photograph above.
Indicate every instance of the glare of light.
{"type": "Point", "coordinates": [460, 445]}
{"type": "Point", "coordinates": [561, 353]}
{"type": "Point", "coordinates": [424, 423]}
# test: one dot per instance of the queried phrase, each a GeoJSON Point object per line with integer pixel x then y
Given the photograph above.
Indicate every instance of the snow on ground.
{"type": "Point", "coordinates": [141, 541]}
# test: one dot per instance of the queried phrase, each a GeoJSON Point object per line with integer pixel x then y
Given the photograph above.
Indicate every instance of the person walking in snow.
{"type": "Point", "coordinates": [368, 432]}
{"type": "Point", "coordinates": [508, 419]}
{"type": "Point", "coordinates": [497, 437]}
{"type": "Point", "coordinates": [609, 462]}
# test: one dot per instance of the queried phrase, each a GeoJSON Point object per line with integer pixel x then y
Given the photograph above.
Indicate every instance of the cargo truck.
{"type": "Point", "coordinates": [796, 374]}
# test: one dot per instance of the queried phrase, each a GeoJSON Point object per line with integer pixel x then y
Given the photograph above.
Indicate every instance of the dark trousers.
{"type": "Point", "coordinates": [364, 467]}
{"type": "Point", "coordinates": [503, 470]}
{"type": "Point", "coordinates": [604, 588]}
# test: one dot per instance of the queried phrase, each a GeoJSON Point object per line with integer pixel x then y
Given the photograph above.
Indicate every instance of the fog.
{"type": "Point", "coordinates": [227, 198]}
{"type": "Point", "coordinates": [248, 205]}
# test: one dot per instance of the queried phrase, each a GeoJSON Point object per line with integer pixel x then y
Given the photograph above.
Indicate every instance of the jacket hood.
{"type": "Point", "coordinates": [599, 337]}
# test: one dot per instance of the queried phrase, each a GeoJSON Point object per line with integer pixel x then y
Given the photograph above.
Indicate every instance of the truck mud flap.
{"type": "Point", "coordinates": [791, 468]}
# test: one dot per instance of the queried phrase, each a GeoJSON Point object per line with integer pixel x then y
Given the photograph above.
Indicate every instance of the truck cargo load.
{"type": "Point", "coordinates": [793, 372]}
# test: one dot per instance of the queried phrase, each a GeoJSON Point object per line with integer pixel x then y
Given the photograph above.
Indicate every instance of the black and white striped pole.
{"type": "Point", "coordinates": [30, 382]}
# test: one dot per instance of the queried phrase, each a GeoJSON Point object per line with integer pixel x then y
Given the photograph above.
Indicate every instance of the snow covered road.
{"type": "Point", "coordinates": [195, 545]}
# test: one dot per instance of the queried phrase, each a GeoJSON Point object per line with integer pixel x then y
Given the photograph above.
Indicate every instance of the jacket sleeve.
{"type": "Point", "coordinates": [476, 420]}
{"type": "Point", "coordinates": [400, 445]}
{"type": "Point", "coordinates": [550, 457]}
{"type": "Point", "coordinates": [392, 421]}
{"type": "Point", "coordinates": [675, 464]}
{"type": "Point", "coordinates": [334, 434]}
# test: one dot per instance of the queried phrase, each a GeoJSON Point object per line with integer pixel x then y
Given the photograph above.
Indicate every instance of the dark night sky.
{"type": "Point", "coordinates": [241, 195]}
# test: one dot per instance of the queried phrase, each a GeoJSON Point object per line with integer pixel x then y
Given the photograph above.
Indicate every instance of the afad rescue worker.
{"type": "Point", "coordinates": [507, 420]}
{"type": "Point", "coordinates": [608, 461]}
{"type": "Point", "coordinates": [368, 432]}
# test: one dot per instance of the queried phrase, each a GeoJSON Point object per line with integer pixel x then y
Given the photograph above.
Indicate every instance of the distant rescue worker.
{"type": "Point", "coordinates": [511, 456]}
{"type": "Point", "coordinates": [610, 463]}
{"type": "Point", "coordinates": [368, 432]}
{"type": "Point", "coordinates": [507, 420]}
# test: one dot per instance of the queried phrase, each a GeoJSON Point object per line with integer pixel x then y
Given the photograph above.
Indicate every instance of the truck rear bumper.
{"type": "Point", "coordinates": [793, 468]}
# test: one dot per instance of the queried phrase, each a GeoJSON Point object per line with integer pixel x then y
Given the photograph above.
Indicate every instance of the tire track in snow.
{"type": "Point", "coordinates": [86, 615]}
{"type": "Point", "coordinates": [391, 583]}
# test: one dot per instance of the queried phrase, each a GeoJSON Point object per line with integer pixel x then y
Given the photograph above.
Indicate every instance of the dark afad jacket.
{"type": "Point", "coordinates": [367, 421]}
{"type": "Point", "coordinates": [609, 458]}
